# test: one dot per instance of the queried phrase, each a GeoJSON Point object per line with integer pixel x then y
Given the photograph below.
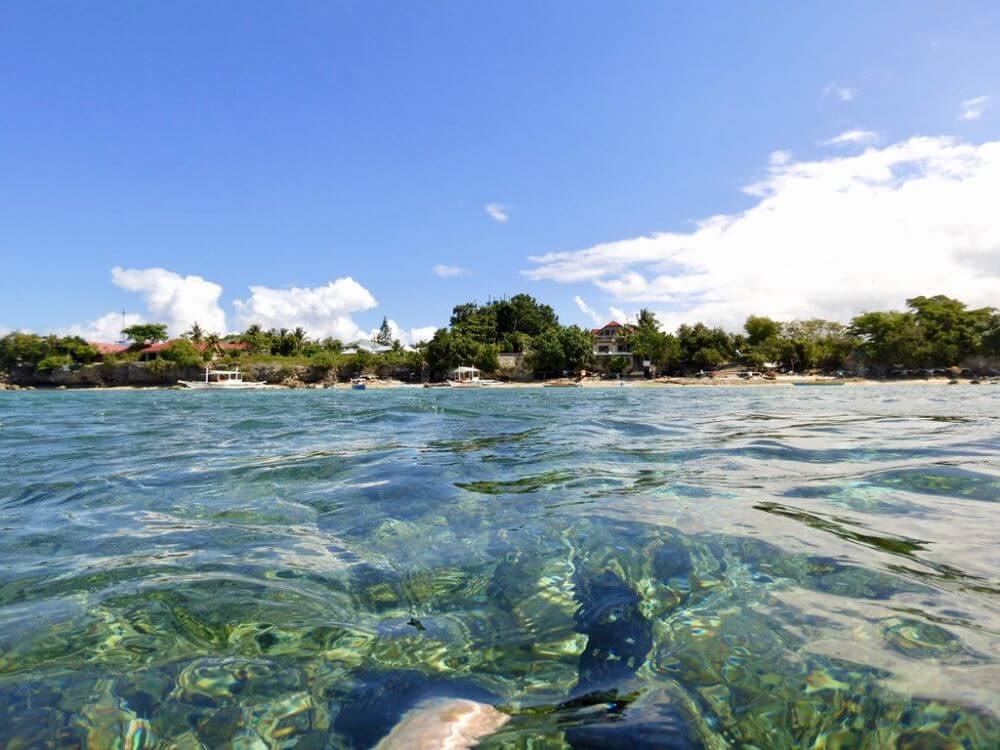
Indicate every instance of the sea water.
{"type": "Point", "coordinates": [711, 567]}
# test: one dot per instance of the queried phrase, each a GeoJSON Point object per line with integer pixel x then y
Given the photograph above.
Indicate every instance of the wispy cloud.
{"type": "Point", "coordinates": [852, 137]}
{"type": "Point", "coordinates": [587, 310]}
{"type": "Point", "coordinates": [826, 238]}
{"type": "Point", "coordinates": [447, 272]}
{"type": "Point", "coordinates": [972, 109]}
{"type": "Point", "coordinates": [498, 211]}
{"type": "Point", "coordinates": [840, 92]}
{"type": "Point", "coordinates": [777, 158]}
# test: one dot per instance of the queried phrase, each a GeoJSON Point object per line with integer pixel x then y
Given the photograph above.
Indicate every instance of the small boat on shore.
{"type": "Point", "coordinates": [223, 380]}
{"type": "Point", "coordinates": [359, 384]}
{"type": "Point", "coordinates": [469, 377]}
{"type": "Point", "coordinates": [821, 382]}
{"type": "Point", "coordinates": [563, 384]}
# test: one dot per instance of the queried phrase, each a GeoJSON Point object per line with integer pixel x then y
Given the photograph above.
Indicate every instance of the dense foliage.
{"type": "Point", "coordinates": [44, 352]}
{"type": "Point", "coordinates": [933, 332]}
{"type": "Point", "coordinates": [521, 325]}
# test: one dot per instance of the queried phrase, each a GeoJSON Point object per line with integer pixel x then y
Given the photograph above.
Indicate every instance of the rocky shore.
{"type": "Point", "coordinates": [155, 374]}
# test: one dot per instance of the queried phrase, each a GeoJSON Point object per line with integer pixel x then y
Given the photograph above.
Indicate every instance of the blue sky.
{"type": "Point", "coordinates": [289, 145]}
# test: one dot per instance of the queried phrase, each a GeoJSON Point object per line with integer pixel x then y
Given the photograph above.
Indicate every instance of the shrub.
{"type": "Point", "coordinates": [619, 365]}
{"type": "Point", "coordinates": [324, 360]}
{"type": "Point", "coordinates": [54, 362]}
{"type": "Point", "coordinates": [182, 353]}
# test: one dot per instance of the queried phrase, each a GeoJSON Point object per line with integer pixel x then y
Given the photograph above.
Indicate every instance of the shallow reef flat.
{"type": "Point", "coordinates": [672, 568]}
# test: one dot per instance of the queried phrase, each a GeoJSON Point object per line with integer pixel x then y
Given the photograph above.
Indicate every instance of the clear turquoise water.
{"type": "Point", "coordinates": [752, 567]}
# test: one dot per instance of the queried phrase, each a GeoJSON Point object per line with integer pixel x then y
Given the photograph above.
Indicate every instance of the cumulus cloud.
{"type": "Point", "coordinates": [588, 310]}
{"type": "Point", "coordinates": [852, 137]}
{"type": "Point", "coordinates": [841, 92]}
{"type": "Point", "coordinates": [323, 311]}
{"type": "Point", "coordinates": [497, 211]}
{"type": "Point", "coordinates": [448, 272]}
{"type": "Point", "coordinates": [173, 299]}
{"type": "Point", "coordinates": [106, 328]}
{"type": "Point", "coordinates": [827, 238]}
{"type": "Point", "coordinates": [407, 337]}
{"type": "Point", "coordinates": [972, 109]}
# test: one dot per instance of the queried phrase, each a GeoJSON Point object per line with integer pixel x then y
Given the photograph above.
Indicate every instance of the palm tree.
{"type": "Point", "coordinates": [212, 342]}
{"type": "Point", "coordinates": [300, 337]}
{"type": "Point", "coordinates": [647, 319]}
{"type": "Point", "coordinates": [195, 333]}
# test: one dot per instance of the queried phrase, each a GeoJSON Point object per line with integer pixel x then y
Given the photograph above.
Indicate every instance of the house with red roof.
{"type": "Point", "coordinates": [609, 342]}
{"type": "Point", "coordinates": [105, 349]}
{"type": "Point", "coordinates": [151, 352]}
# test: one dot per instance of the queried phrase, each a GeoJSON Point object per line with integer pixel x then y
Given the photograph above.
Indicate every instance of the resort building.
{"type": "Point", "coordinates": [151, 352]}
{"type": "Point", "coordinates": [104, 349]}
{"type": "Point", "coordinates": [609, 343]}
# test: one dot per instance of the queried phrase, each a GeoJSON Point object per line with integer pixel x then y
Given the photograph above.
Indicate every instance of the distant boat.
{"type": "Point", "coordinates": [222, 380]}
{"type": "Point", "coordinates": [822, 382]}
{"type": "Point", "coordinates": [563, 384]}
{"type": "Point", "coordinates": [469, 377]}
{"type": "Point", "coordinates": [358, 384]}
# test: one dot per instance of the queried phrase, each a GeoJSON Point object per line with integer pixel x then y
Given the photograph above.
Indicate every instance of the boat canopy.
{"type": "Point", "coordinates": [465, 373]}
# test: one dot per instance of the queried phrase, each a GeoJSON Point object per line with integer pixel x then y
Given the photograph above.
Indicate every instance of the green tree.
{"type": "Point", "coordinates": [182, 353]}
{"type": "Point", "coordinates": [759, 329]}
{"type": "Point", "coordinates": [256, 340]}
{"type": "Point", "coordinates": [143, 334]}
{"type": "Point", "coordinates": [384, 335]}
{"type": "Point", "coordinates": [547, 355]}
{"type": "Point", "coordinates": [619, 365]}
{"type": "Point", "coordinates": [951, 331]}
{"type": "Point", "coordinates": [195, 333]}
{"type": "Point", "coordinates": [577, 347]}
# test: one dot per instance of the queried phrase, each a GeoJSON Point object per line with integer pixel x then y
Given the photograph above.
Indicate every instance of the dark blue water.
{"type": "Point", "coordinates": [752, 567]}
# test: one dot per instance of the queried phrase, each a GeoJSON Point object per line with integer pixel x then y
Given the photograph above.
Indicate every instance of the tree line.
{"type": "Point", "coordinates": [935, 331]}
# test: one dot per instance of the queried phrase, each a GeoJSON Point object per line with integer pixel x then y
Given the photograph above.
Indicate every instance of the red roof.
{"type": "Point", "coordinates": [103, 348]}
{"type": "Point", "coordinates": [612, 324]}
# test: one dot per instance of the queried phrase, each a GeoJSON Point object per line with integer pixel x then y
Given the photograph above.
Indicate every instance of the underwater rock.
{"type": "Point", "coordinates": [444, 723]}
{"type": "Point", "coordinates": [671, 560]}
{"type": "Point", "coordinates": [612, 721]}
{"type": "Point", "coordinates": [380, 699]}
{"type": "Point", "coordinates": [618, 636]}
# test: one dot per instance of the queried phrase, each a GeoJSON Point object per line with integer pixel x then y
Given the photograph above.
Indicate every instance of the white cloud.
{"type": "Point", "coordinates": [620, 315]}
{"type": "Point", "coordinates": [972, 109]}
{"type": "Point", "coordinates": [173, 299]}
{"type": "Point", "coordinates": [410, 337]}
{"type": "Point", "coordinates": [841, 92]}
{"type": "Point", "coordinates": [322, 311]}
{"type": "Point", "coordinates": [448, 272]}
{"type": "Point", "coordinates": [498, 211]}
{"type": "Point", "coordinates": [587, 310]}
{"type": "Point", "coordinates": [106, 329]}
{"type": "Point", "coordinates": [857, 137]}
{"type": "Point", "coordinates": [827, 238]}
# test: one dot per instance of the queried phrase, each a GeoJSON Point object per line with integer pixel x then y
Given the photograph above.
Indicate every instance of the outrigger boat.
{"type": "Point", "coordinates": [223, 380]}
{"type": "Point", "coordinates": [469, 377]}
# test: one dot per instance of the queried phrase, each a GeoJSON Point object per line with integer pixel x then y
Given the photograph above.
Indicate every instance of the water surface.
{"type": "Point", "coordinates": [754, 567]}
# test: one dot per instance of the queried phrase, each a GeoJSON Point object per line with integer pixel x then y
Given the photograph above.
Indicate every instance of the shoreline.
{"type": "Point", "coordinates": [655, 383]}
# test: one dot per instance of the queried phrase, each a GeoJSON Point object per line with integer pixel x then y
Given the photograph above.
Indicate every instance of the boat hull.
{"type": "Point", "coordinates": [197, 385]}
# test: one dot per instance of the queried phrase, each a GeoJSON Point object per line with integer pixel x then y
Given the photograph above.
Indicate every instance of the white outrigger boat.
{"type": "Point", "coordinates": [469, 377]}
{"type": "Point", "coordinates": [223, 380]}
